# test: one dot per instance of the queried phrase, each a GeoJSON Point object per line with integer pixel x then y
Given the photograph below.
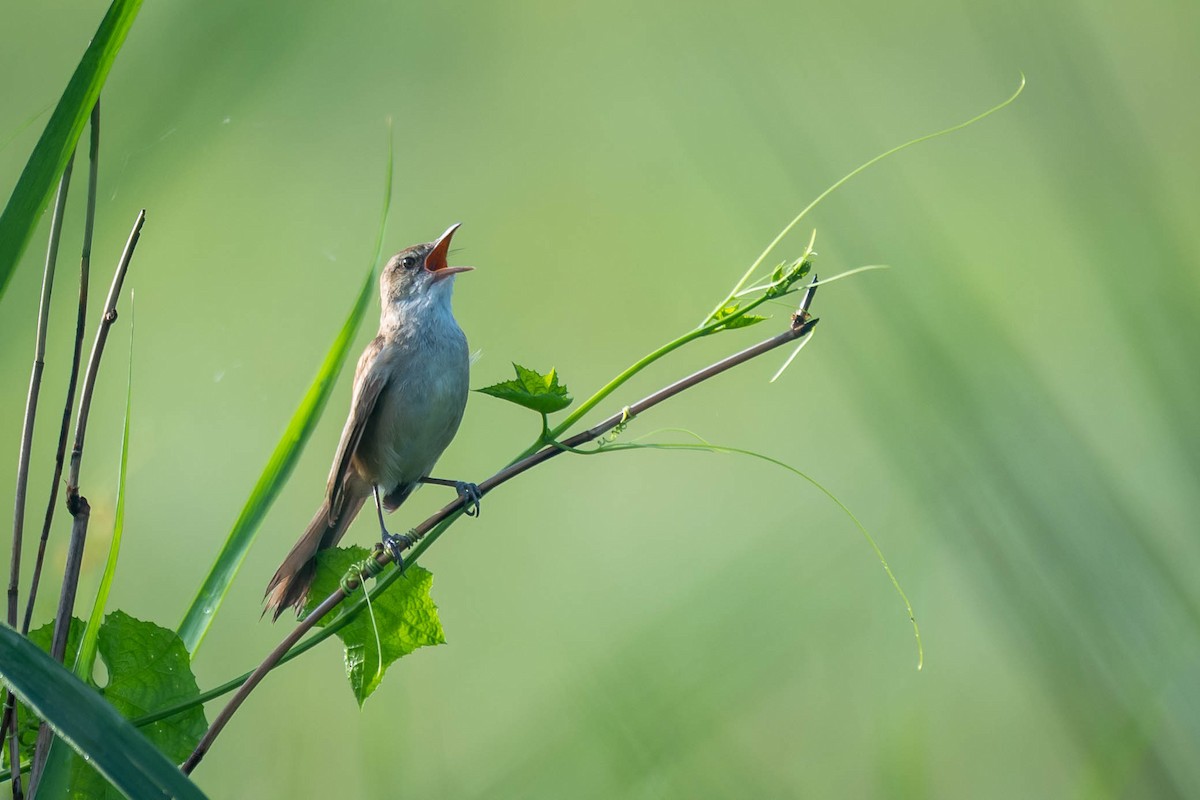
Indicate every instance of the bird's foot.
{"type": "Point", "coordinates": [396, 545]}
{"type": "Point", "coordinates": [470, 494]}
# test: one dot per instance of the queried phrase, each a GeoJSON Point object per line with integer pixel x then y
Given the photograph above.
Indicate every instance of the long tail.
{"type": "Point", "coordinates": [295, 575]}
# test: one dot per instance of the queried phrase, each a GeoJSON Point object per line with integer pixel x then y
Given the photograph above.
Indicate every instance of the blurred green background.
{"type": "Point", "coordinates": [1012, 409]}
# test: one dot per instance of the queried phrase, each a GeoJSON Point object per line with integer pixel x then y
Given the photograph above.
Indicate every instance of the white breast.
{"type": "Point", "coordinates": [420, 407]}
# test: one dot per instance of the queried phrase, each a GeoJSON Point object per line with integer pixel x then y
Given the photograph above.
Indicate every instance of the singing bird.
{"type": "Point", "coordinates": [410, 390]}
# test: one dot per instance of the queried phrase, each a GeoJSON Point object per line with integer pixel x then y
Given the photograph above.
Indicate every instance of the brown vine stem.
{"type": "Point", "coordinates": [76, 503]}
{"type": "Point", "coordinates": [802, 323]}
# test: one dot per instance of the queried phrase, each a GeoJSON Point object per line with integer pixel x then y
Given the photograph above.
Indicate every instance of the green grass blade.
{"type": "Point", "coordinates": [86, 659]}
{"type": "Point", "coordinates": [57, 142]}
{"type": "Point", "coordinates": [81, 717]}
{"type": "Point", "coordinates": [208, 600]}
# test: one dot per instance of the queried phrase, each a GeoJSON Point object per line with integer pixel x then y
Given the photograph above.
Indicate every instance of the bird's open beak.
{"type": "Point", "coordinates": [435, 262]}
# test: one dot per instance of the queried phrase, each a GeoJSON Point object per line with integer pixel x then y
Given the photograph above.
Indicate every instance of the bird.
{"type": "Point", "coordinates": [410, 391]}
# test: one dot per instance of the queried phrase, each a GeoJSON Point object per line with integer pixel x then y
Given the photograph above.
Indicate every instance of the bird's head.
{"type": "Point", "coordinates": [419, 273]}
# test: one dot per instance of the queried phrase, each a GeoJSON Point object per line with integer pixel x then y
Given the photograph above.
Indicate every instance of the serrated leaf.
{"type": "Point", "coordinates": [533, 390]}
{"type": "Point", "coordinates": [148, 669]}
{"type": "Point", "coordinates": [82, 718]}
{"type": "Point", "coordinates": [744, 321]}
{"type": "Point", "coordinates": [405, 618]}
{"type": "Point", "coordinates": [732, 322]}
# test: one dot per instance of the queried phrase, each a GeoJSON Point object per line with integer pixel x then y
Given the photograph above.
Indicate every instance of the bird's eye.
{"type": "Point", "coordinates": [409, 262]}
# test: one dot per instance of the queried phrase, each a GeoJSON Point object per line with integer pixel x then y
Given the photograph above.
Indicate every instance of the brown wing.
{"type": "Point", "coordinates": [368, 383]}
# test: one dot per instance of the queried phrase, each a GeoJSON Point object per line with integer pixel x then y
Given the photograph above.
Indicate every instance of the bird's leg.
{"type": "Point", "coordinates": [395, 545]}
{"type": "Point", "coordinates": [469, 492]}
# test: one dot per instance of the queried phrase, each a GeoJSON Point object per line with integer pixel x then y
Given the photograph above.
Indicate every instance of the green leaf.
{"type": "Point", "coordinates": [788, 275]}
{"type": "Point", "coordinates": [405, 618]}
{"type": "Point", "coordinates": [279, 467]}
{"type": "Point", "coordinates": [53, 150]}
{"type": "Point", "coordinates": [533, 390]}
{"type": "Point", "coordinates": [733, 322]}
{"type": "Point", "coordinates": [149, 668]}
{"type": "Point", "coordinates": [93, 727]}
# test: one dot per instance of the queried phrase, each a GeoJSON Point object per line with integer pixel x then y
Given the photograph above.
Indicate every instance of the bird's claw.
{"type": "Point", "coordinates": [396, 545]}
{"type": "Point", "coordinates": [470, 494]}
